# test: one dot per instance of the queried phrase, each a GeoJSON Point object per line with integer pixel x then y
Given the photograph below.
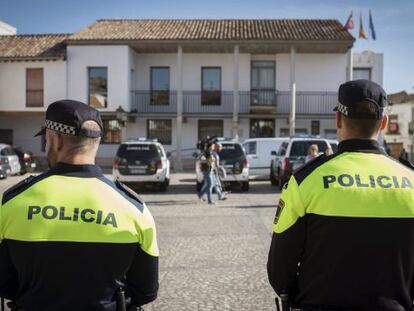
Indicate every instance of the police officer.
{"type": "Point", "coordinates": [71, 239]}
{"type": "Point", "coordinates": [343, 235]}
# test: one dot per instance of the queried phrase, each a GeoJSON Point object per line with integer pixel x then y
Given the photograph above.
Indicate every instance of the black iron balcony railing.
{"type": "Point", "coordinates": [221, 102]}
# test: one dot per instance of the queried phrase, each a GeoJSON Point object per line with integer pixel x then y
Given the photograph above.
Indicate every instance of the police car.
{"type": "Point", "coordinates": [291, 155]}
{"type": "Point", "coordinates": [233, 159]}
{"type": "Point", "coordinates": [142, 161]}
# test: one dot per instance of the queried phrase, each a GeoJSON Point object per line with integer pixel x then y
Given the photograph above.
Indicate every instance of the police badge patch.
{"type": "Point", "coordinates": [279, 210]}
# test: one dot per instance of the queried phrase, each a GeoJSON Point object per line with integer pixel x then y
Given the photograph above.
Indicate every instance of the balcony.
{"type": "Point", "coordinates": [250, 102]}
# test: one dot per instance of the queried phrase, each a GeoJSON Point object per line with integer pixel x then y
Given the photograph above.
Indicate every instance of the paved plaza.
{"type": "Point", "coordinates": [211, 257]}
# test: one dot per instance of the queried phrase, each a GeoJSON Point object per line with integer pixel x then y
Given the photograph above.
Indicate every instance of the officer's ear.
{"type": "Point", "coordinates": [59, 142]}
{"type": "Point", "coordinates": [338, 120]}
{"type": "Point", "coordinates": [384, 122]}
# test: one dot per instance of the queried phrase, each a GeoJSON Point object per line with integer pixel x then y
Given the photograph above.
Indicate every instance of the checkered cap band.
{"type": "Point", "coordinates": [61, 128]}
{"type": "Point", "coordinates": [342, 109]}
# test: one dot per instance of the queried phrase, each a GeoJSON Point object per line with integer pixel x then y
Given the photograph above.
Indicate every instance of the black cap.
{"type": "Point", "coordinates": [354, 92]}
{"type": "Point", "coordinates": [67, 117]}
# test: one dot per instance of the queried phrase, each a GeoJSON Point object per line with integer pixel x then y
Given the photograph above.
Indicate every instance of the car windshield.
{"type": "Point", "coordinates": [300, 148]}
{"type": "Point", "coordinates": [282, 149]}
{"type": "Point", "coordinates": [334, 147]}
{"type": "Point", "coordinates": [138, 151]}
{"type": "Point", "coordinates": [7, 151]}
{"type": "Point", "coordinates": [231, 151]}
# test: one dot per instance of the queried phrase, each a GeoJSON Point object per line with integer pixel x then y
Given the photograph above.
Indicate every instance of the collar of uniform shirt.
{"type": "Point", "coordinates": [360, 145]}
{"type": "Point", "coordinates": [81, 170]}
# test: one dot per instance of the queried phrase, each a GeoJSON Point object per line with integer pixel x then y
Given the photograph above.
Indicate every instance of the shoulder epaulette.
{"type": "Point", "coordinates": [305, 170]}
{"type": "Point", "coordinates": [22, 186]}
{"type": "Point", "coordinates": [406, 163]}
{"type": "Point", "coordinates": [125, 191]}
{"type": "Point", "coordinates": [131, 193]}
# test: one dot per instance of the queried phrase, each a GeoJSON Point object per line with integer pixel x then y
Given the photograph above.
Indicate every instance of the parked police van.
{"type": "Point", "coordinates": [142, 161]}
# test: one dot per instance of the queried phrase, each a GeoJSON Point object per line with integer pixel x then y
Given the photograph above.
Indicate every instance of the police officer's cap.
{"type": "Point", "coordinates": [67, 117]}
{"type": "Point", "coordinates": [352, 93]}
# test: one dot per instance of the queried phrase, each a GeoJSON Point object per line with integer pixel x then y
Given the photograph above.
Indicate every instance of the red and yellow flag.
{"type": "Point", "coordinates": [362, 34]}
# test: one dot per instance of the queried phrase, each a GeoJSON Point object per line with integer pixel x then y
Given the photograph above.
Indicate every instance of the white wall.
{"type": "Point", "coordinates": [6, 29]}
{"type": "Point", "coordinates": [314, 72]}
{"type": "Point", "coordinates": [370, 59]}
{"type": "Point", "coordinates": [13, 84]}
{"type": "Point", "coordinates": [404, 113]}
{"type": "Point", "coordinates": [24, 128]}
{"type": "Point", "coordinates": [116, 58]}
{"type": "Point", "coordinates": [192, 64]}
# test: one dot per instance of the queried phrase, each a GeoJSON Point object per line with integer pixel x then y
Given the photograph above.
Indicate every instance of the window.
{"type": "Point", "coordinates": [315, 127]}
{"type": "Point", "coordinates": [160, 85]}
{"type": "Point", "coordinates": [285, 132]}
{"type": "Point", "coordinates": [263, 83]}
{"type": "Point", "coordinates": [211, 86]}
{"type": "Point", "coordinates": [6, 137]}
{"type": "Point", "coordinates": [160, 129]}
{"type": "Point", "coordinates": [209, 128]}
{"type": "Point", "coordinates": [262, 128]}
{"type": "Point", "coordinates": [361, 73]}
{"type": "Point", "coordinates": [112, 132]}
{"type": "Point", "coordinates": [250, 147]}
{"type": "Point", "coordinates": [98, 86]}
{"type": "Point", "coordinates": [34, 87]}
{"type": "Point", "coordinates": [393, 127]}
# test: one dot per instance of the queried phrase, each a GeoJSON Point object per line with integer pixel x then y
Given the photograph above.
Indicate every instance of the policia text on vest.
{"type": "Point", "coordinates": [86, 215]}
{"type": "Point", "coordinates": [370, 181]}
{"type": "Point", "coordinates": [95, 228]}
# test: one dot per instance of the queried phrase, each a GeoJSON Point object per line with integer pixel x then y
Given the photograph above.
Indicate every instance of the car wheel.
{"type": "Point", "coordinates": [198, 186]}
{"type": "Point", "coordinates": [281, 183]}
{"type": "Point", "coordinates": [245, 186]}
{"type": "Point", "coordinates": [273, 179]}
{"type": "Point", "coordinates": [163, 185]}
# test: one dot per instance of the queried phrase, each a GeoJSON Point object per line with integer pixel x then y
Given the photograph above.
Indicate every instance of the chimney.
{"type": "Point", "coordinates": [6, 29]}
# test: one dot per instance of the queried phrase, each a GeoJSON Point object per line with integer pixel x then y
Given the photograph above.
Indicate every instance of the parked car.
{"type": "Point", "coordinates": [234, 160]}
{"type": "Point", "coordinates": [26, 159]}
{"type": "Point", "coordinates": [142, 161]}
{"type": "Point", "coordinates": [258, 152]}
{"type": "Point", "coordinates": [5, 169]}
{"type": "Point", "coordinates": [8, 152]}
{"type": "Point", "coordinates": [334, 145]}
{"type": "Point", "coordinates": [291, 155]}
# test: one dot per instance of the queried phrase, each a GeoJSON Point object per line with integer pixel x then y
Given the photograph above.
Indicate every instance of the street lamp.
{"type": "Point", "coordinates": [121, 115]}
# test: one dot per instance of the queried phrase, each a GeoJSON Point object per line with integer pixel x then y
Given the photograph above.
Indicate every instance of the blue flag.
{"type": "Point", "coordinates": [371, 26]}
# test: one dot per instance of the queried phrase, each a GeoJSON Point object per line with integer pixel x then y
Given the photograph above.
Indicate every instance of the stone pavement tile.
{"type": "Point", "coordinates": [202, 225]}
{"type": "Point", "coordinates": [200, 252]}
{"type": "Point", "coordinates": [231, 288]}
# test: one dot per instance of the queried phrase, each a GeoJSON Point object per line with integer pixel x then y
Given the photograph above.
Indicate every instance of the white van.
{"type": "Point", "coordinates": [258, 152]}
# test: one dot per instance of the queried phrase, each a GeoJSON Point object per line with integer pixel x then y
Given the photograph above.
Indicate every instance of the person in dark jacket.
{"type": "Point", "coordinates": [71, 239]}
{"type": "Point", "coordinates": [343, 234]}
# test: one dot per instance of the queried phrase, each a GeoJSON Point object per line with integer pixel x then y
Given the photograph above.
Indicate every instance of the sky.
{"type": "Point", "coordinates": [393, 21]}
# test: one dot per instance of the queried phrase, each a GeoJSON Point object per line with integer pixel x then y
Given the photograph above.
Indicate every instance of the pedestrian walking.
{"type": "Point", "coordinates": [71, 239]}
{"type": "Point", "coordinates": [344, 228]}
{"type": "Point", "coordinates": [206, 167]}
{"type": "Point", "coordinates": [217, 169]}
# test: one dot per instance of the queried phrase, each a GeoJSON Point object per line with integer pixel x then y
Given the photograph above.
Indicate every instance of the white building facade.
{"type": "Point", "coordinates": [181, 80]}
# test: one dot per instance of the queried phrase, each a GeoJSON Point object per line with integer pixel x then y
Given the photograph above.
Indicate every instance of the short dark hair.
{"type": "Point", "coordinates": [363, 128]}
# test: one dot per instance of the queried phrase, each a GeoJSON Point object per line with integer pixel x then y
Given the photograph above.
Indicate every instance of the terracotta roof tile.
{"type": "Point", "coordinates": [226, 29]}
{"type": "Point", "coordinates": [33, 46]}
